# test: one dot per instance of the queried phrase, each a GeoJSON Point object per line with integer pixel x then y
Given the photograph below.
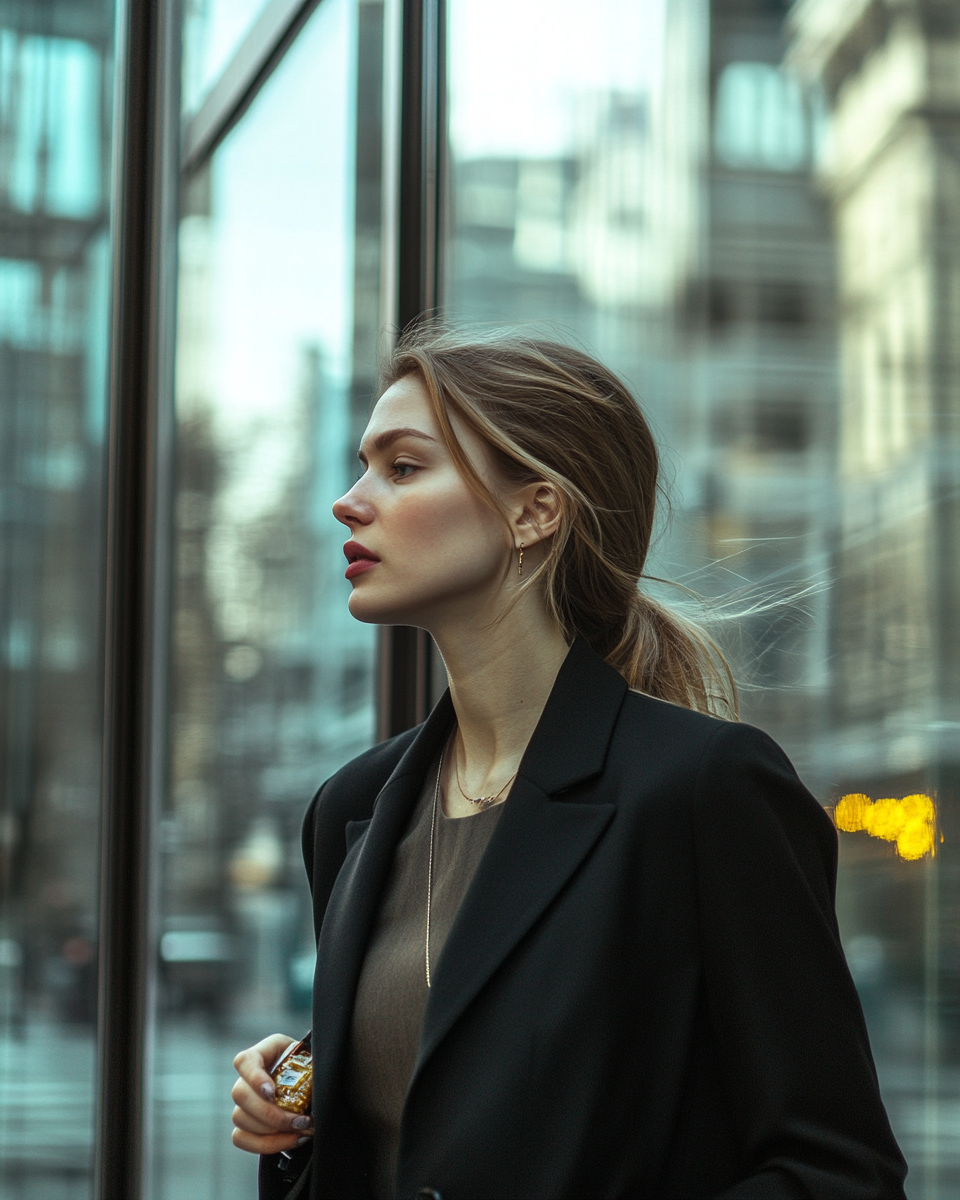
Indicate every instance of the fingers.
{"type": "Point", "coordinates": [255, 1143]}
{"type": "Point", "coordinates": [252, 1064]}
{"type": "Point", "coordinates": [243, 1120]}
{"type": "Point", "coordinates": [267, 1114]}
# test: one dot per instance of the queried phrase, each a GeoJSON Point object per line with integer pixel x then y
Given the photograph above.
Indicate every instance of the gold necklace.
{"type": "Point", "coordinates": [482, 802]}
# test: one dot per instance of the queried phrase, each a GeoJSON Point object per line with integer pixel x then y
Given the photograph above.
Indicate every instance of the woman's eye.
{"type": "Point", "coordinates": [402, 470]}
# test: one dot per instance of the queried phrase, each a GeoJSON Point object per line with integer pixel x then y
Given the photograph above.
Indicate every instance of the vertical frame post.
{"type": "Point", "coordinates": [136, 576]}
{"type": "Point", "coordinates": [421, 138]}
{"type": "Point", "coordinates": [405, 653]}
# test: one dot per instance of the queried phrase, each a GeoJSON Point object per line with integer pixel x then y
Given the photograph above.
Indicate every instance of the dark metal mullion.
{"type": "Point", "coordinates": [418, 248]}
{"type": "Point", "coordinates": [405, 652]}
{"type": "Point", "coordinates": [139, 461]}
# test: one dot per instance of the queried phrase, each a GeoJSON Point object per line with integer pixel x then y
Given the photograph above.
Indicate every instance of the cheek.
{"type": "Point", "coordinates": [436, 544]}
{"type": "Point", "coordinates": [447, 525]}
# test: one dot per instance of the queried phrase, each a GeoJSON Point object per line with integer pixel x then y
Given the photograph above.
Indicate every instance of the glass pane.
{"type": "Point", "coordinates": [55, 106]}
{"type": "Point", "coordinates": [748, 219]}
{"type": "Point", "coordinates": [212, 33]}
{"type": "Point", "coordinates": [279, 304]}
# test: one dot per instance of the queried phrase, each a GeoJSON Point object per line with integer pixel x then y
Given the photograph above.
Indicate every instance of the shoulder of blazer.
{"type": "Point", "coordinates": [697, 751]}
{"type": "Point", "coordinates": [700, 734]}
{"type": "Point", "coordinates": [668, 731]}
{"type": "Point", "coordinates": [348, 795]}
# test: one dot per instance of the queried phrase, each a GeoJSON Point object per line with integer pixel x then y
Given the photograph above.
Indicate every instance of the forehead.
{"type": "Point", "coordinates": [404, 403]}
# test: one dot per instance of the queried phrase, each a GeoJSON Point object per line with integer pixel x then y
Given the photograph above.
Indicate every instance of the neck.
{"type": "Point", "coordinates": [500, 679]}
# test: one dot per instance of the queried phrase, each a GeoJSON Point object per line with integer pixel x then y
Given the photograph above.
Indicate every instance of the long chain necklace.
{"type": "Point", "coordinates": [433, 831]}
{"type": "Point", "coordinates": [483, 802]}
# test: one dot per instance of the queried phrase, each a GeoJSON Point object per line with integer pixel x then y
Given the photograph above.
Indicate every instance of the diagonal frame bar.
{"type": "Point", "coordinates": [244, 75]}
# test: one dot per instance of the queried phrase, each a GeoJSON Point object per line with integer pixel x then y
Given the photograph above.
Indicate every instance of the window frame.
{"type": "Point", "coordinates": [155, 151]}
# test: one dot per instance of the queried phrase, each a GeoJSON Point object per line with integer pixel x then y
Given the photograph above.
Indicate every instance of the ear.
{"type": "Point", "coordinates": [537, 513]}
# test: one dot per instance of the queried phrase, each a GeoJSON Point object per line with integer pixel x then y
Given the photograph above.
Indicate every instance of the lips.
{"type": "Point", "coordinates": [359, 559]}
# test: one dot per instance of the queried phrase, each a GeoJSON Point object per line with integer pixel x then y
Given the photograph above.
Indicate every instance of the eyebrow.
{"type": "Point", "coordinates": [389, 436]}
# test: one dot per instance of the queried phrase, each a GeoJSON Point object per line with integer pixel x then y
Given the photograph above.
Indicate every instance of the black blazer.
{"type": "Point", "coordinates": [643, 994]}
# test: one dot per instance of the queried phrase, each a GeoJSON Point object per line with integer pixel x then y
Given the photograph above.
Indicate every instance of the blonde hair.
{"type": "Point", "coordinates": [549, 412]}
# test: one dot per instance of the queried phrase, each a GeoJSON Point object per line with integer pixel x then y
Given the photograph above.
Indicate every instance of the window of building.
{"type": "Point", "coordinates": [760, 119]}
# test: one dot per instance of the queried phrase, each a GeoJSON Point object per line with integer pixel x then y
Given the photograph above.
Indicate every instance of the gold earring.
{"type": "Point", "coordinates": [520, 568]}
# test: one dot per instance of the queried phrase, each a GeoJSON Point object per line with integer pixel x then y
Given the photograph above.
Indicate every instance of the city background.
{"type": "Point", "coordinates": [750, 209]}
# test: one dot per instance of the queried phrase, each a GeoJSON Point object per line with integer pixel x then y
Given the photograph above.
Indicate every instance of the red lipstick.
{"type": "Point", "coordinates": [359, 559]}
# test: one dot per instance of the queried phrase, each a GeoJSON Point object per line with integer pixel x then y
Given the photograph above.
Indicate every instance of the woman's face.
{"type": "Point", "coordinates": [424, 549]}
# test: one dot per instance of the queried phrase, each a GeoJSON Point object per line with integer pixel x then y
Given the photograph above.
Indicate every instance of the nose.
{"type": "Point", "coordinates": [352, 509]}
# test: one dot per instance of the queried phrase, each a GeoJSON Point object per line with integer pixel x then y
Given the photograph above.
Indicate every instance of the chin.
{"type": "Point", "coordinates": [378, 611]}
{"type": "Point", "coordinates": [360, 611]}
{"type": "Point", "coordinates": [416, 602]}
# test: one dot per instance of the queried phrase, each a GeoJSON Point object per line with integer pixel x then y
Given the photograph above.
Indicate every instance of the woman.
{"type": "Point", "coordinates": [576, 934]}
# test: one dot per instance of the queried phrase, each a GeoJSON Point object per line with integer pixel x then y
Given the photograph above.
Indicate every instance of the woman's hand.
{"type": "Point", "coordinates": [262, 1127]}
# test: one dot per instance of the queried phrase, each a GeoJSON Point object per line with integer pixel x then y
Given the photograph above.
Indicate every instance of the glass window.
{"type": "Point", "coordinates": [650, 179]}
{"type": "Point", "coordinates": [272, 679]}
{"type": "Point", "coordinates": [213, 31]}
{"type": "Point", "coordinates": [760, 118]}
{"type": "Point", "coordinates": [55, 111]}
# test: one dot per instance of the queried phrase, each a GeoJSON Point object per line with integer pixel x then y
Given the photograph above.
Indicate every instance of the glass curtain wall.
{"type": "Point", "coordinates": [56, 85]}
{"type": "Point", "coordinates": [751, 212]}
{"type": "Point", "coordinates": [279, 295]}
{"type": "Point", "coordinates": [213, 30]}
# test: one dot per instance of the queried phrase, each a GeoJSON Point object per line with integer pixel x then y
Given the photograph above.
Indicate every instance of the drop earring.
{"type": "Point", "coordinates": [520, 567]}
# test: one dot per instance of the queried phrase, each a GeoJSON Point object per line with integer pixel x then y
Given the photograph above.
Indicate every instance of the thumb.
{"type": "Point", "coordinates": [255, 1063]}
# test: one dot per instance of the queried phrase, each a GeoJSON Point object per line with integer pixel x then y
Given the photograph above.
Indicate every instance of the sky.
{"type": "Point", "coordinates": [516, 67]}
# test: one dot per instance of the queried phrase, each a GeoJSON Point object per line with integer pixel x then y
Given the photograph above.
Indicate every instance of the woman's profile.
{"type": "Point", "coordinates": [576, 932]}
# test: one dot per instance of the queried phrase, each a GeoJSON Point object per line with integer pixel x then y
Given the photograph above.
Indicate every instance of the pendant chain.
{"type": "Point", "coordinates": [482, 802]}
{"type": "Point", "coordinates": [433, 833]}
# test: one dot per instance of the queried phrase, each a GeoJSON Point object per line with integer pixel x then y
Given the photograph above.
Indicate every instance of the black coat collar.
{"type": "Point", "coordinates": [536, 847]}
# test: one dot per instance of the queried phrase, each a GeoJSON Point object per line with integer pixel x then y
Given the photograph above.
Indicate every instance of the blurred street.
{"type": "Point", "coordinates": [47, 1117]}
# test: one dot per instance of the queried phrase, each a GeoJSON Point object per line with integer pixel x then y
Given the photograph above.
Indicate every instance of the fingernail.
{"type": "Point", "coordinates": [302, 1141]}
{"type": "Point", "coordinates": [301, 1122]}
{"type": "Point", "coordinates": [267, 1091]}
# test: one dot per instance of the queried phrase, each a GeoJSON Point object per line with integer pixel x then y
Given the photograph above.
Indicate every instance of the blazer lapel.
{"type": "Point", "coordinates": [538, 843]}
{"type": "Point", "coordinates": [355, 899]}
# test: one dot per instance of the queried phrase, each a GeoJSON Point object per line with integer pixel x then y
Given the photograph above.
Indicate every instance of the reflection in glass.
{"type": "Point", "coordinates": [213, 31]}
{"type": "Point", "coordinates": [892, 182]}
{"type": "Point", "coordinates": [279, 303]}
{"type": "Point", "coordinates": [650, 178]}
{"type": "Point", "coordinates": [55, 102]}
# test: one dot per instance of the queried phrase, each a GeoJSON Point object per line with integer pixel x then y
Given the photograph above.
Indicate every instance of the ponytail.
{"type": "Point", "coordinates": [671, 658]}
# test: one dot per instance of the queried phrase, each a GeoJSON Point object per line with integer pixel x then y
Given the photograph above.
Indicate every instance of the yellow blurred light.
{"type": "Point", "coordinates": [910, 822]}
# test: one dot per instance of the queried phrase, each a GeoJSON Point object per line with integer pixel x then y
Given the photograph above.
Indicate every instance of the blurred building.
{"type": "Point", "coordinates": [269, 686]}
{"type": "Point", "coordinates": [54, 172]}
{"type": "Point", "coordinates": [56, 74]}
{"type": "Point", "coordinates": [891, 171]}
{"type": "Point", "coordinates": [271, 677]}
{"type": "Point", "coordinates": [892, 174]}
{"type": "Point", "coordinates": [759, 316]}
